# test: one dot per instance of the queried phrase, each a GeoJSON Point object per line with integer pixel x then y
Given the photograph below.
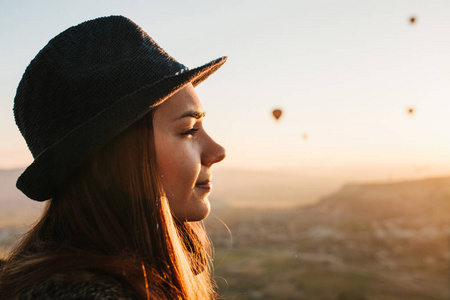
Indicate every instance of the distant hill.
{"type": "Point", "coordinates": [8, 188]}
{"type": "Point", "coordinates": [418, 200]}
{"type": "Point", "coordinates": [411, 209]}
{"type": "Point", "coordinates": [15, 208]}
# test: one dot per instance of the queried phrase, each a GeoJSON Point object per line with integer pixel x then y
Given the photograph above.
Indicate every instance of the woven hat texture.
{"type": "Point", "coordinates": [87, 85]}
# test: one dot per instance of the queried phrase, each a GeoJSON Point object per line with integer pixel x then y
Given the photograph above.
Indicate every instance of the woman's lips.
{"type": "Point", "coordinates": [204, 185]}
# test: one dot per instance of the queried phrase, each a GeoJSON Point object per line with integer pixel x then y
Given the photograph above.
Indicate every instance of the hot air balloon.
{"type": "Point", "coordinates": [305, 136]}
{"type": "Point", "coordinates": [412, 20]}
{"type": "Point", "coordinates": [411, 111]}
{"type": "Point", "coordinates": [277, 113]}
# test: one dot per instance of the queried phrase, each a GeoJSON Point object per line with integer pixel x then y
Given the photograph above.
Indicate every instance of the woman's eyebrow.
{"type": "Point", "coordinates": [193, 114]}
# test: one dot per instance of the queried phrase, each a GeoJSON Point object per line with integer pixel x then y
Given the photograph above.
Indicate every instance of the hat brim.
{"type": "Point", "coordinates": [43, 178]}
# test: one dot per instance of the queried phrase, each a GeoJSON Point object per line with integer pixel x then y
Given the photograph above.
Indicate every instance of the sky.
{"type": "Point", "coordinates": [343, 72]}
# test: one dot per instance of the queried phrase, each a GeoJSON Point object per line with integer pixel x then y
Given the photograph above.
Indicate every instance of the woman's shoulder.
{"type": "Point", "coordinates": [95, 288]}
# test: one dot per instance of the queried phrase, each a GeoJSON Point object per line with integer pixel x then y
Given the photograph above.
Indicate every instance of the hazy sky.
{"type": "Point", "coordinates": [344, 73]}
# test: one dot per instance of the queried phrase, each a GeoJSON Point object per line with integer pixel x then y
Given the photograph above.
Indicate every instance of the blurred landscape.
{"type": "Point", "coordinates": [297, 237]}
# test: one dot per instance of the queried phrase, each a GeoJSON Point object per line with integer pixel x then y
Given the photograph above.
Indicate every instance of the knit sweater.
{"type": "Point", "coordinates": [94, 289]}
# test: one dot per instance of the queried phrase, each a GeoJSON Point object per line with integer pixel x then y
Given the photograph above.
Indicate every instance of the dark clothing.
{"type": "Point", "coordinates": [94, 289]}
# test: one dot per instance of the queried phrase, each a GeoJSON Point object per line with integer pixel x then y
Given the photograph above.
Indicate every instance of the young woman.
{"type": "Point", "coordinates": [124, 163]}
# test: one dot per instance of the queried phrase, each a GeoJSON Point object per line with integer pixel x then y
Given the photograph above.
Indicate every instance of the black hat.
{"type": "Point", "coordinates": [87, 85]}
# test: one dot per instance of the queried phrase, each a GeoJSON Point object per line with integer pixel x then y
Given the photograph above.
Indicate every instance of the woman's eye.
{"type": "Point", "coordinates": [191, 131]}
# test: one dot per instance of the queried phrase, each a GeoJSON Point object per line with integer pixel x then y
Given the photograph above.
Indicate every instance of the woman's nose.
{"type": "Point", "coordinates": [213, 154]}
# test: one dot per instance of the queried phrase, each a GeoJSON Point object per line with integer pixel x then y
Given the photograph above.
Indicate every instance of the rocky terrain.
{"type": "Point", "coordinates": [366, 241]}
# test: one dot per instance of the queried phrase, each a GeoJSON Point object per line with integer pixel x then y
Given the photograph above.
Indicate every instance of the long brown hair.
{"type": "Point", "coordinates": [112, 218]}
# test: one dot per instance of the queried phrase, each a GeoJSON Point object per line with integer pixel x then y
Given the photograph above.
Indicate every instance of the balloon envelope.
{"type": "Point", "coordinates": [277, 113]}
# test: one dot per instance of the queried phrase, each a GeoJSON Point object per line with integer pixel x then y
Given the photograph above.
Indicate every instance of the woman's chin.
{"type": "Point", "coordinates": [196, 213]}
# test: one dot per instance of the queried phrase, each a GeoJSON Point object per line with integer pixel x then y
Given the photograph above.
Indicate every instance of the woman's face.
{"type": "Point", "coordinates": [185, 154]}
